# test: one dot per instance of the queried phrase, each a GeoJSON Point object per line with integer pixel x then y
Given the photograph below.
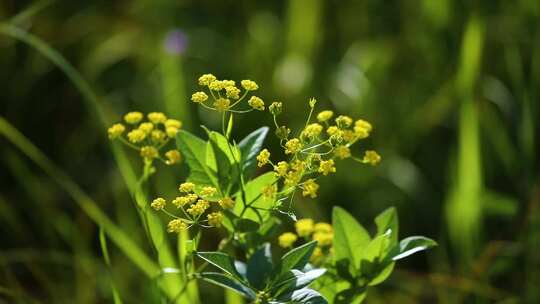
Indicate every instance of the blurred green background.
{"type": "Point", "coordinates": [452, 88]}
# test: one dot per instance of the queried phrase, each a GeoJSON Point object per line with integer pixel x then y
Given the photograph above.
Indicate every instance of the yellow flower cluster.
{"type": "Point", "coordinates": [226, 95]}
{"type": "Point", "coordinates": [148, 137]}
{"type": "Point", "coordinates": [309, 230]}
{"type": "Point", "coordinates": [263, 157]}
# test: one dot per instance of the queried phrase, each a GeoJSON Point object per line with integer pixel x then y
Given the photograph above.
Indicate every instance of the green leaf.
{"type": "Point", "coordinates": [220, 158]}
{"type": "Point", "coordinates": [388, 220]}
{"type": "Point", "coordinates": [373, 265]}
{"type": "Point", "coordinates": [221, 261]}
{"type": "Point", "coordinates": [410, 246]}
{"type": "Point", "coordinates": [297, 258]}
{"type": "Point", "coordinates": [246, 225]}
{"type": "Point", "coordinates": [350, 238]}
{"type": "Point", "coordinates": [259, 267]}
{"type": "Point", "coordinates": [255, 198]}
{"type": "Point", "coordinates": [194, 151]}
{"type": "Point", "coordinates": [304, 296]}
{"type": "Point", "coordinates": [351, 296]}
{"type": "Point", "coordinates": [296, 279]}
{"type": "Point", "coordinates": [250, 147]}
{"type": "Point", "coordinates": [228, 282]}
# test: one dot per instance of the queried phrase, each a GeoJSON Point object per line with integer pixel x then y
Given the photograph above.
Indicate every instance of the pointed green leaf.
{"type": "Point", "coordinates": [255, 198]}
{"type": "Point", "coordinates": [296, 258]}
{"type": "Point", "coordinates": [388, 220]}
{"type": "Point", "coordinates": [350, 238]}
{"type": "Point", "coordinates": [374, 265]}
{"type": "Point", "coordinates": [260, 266]}
{"type": "Point", "coordinates": [221, 261]}
{"type": "Point", "coordinates": [412, 245]}
{"type": "Point", "coordinates": [194, 151]}
{"type": "Point", "coordinates": [250, 147]}
{"type": "Point", "coordinates": [297, 279]}
{"type": "Point", "coordinates": [228, 282]}
{"type": "Point", "coordinates": [304, 296]}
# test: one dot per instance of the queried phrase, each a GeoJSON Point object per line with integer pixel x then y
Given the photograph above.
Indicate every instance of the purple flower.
{"type": "Point", "coordinates": [175, 42]}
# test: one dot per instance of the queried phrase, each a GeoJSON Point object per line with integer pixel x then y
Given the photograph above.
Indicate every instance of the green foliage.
{"type": "Point", "coordinates": [262, 281]}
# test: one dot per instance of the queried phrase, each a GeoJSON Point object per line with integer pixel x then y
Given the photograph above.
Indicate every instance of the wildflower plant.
{"type": "Point", "coordinates": [223, 192]}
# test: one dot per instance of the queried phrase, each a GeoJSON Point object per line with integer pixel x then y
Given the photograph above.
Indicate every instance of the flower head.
{"type": "Point", "coordinates": [158, 136]}
{"type": "Point", "coordinates": [216, 85]}
{"type": "Point", "coordinates": [198, 208]}
{"type": "Point", "coordinates": [275, 108]}
{"type": "Point", "coordinates": [158, 203]}
{"type": "Point", "coordinates": [149, 152]}
{"type": "Point", "coordinates": [208, 191]}
{"type": "Point", "coordinates": [292, 146]}
{"type": "Point", "coordinates": [199, 97]}
{"type": "Point", "coordinates": [157, 117]}
{"type": "Point", "coordinates": [116, 130]}
{"type": "Point", "coordinates": [310, 188]}
{"type": "Point", "coordinates": [371, 157]}
{"type": "Point", "coordinates": [173, 157]}
{"type": "Point", "coordinates": [312, 130]}
{"type": "Point", "coordinates": [226, 203]}
{"type": "Point", "coordinates": [323, 239]}
{"type": "Point", "coordinates": [323, 227]}
{"type": "Point", "coordinates": [186, 187]}
{"type": "Point", "coordinates": [325, 115]}
{"type": "Point", "coordinates": [176, 226]}
{"type": "Point", "coordinates": [343, 121]}
{"type": "Point", "coordinates": [136, 136]}
{"type": "Point", "coordinates": [327, 166]}
{"type": "Point", "coordinates": [232, 92]}
{"type": "Point", "coordinates": [249, 85]}
{"type": "Point", "coordinates": [173, 123]}
{"type": "Point", "coordinates": [171, 131]}
{"type": "Point", "coordinates": [281, 168]}
{"type": "Point", "coordinates": [362, 128]}
{"type": "Point", "coordinates": [342, 152]}
{"type": "Point", "coordinates": [133, 117]}
{"type": "Point", "coordinates": [222, 104]}
{"type": "Point", "coordinates": [206, 79]}
{"type": "Point", "coordinates": [263, 157]}
{"type": "Point", "coordinates": [256, 103]}
{"type": "Point", "coordinates": [304, 227]}
{"type": "Point", "coordinates": [287, 239]}
{"type": "Point", "coordinates": [146, 127]}
{"type": "Point", "coordinates": [215, 219]}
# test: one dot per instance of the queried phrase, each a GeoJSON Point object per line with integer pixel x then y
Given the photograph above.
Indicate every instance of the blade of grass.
{"type": "Point", "coordinates": [106, 258]}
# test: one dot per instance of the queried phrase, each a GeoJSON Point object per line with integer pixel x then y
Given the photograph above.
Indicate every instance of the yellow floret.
{"type": "Point", "coordinates": [362, 128]}
{"type": "Point", "coordinates": [232, 92]}
{"type": "Point", "coordinates": [181, 201]}
{"type": "Point", "coordinates": [133, 117]}
{"type": "Point", "coordinates": [343, 121]}
{"type": "Point", "coordinates": [216, 85]}
{"type": "Point", "coordinates": [176, 226]}
{"type": "Point", "coordinates": [173, 157]}
{"type": "Point", "coordinates": [186, 187]}
{"type": "Point", "coordinates": [371, 157]}
{"type": "Point", "coordinates": [310, 188]}
{"type": "Point", "coordinates": [136, 136]}
{"type": "Point", "coordinates": [226, 203]}
{"type": "Point", "coordinates": [249, 85]}
{"type": "Point", "coordinates": [325, 115]}
{"type": "Point", "coordinates": [269, 191]}
{"type": "Point", "coordinates": [158, 203]}
{"type": "Point", "coordinates": [327, 166]}
{"type": "Point", "coordinates": [342, 152]}
{"type": "Point", "coordinates": [149, 152]}
{"type": "Point", "coordinates": [171, 131]}
{"type": "Point", "coordinates": [323, 239]}
{"type": "Point", "coordinates": [206, 79]}
{"type": "Point", "coordinates": [198, 208]}
{"type": "Point", "coordinates": [215, 219]}
{"type": "Point", "coordinates": [157, 117]}
{"type": "Point", "coordinates": [199, 97]}
{"type": "Point", "coordinates": [158, 136]}
{"type": "Point", "coordinates": [173, 123]}
{"type": "Point", "coordinates": [304, 227]}
{"type": "Point", "coordinates": [312, 130]}
{"type": "Point", "coordinates": [146, 127]}
{"type": "Point", "coordinates": [208, 191]}
{"type": "Point", "coordinates": [116, 130]}
{"type": "Point", "coordinates": [281, 168]}
{"type": "Point", "coordinates": [292, 146]}
{"type": "Point", "coordinates": [263, 157]}
{"type": "Point", "coordinates": [323, 227]}
{"type": "Point", "coordinates": [256, 103]}
{"type": "Point", "coordinates": [287, 239]}
{"type": "Point", "coordinates": [222, 104]}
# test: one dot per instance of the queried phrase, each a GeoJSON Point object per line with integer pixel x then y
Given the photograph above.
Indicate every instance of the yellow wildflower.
{"type": "Point", "coordinates": [298, 165]}
{"type": "Point", "coordinates": [181, 201]}
{"type": "Point", "coordinates": [149, 152]}
{"type": "Point", "coordinates": [333, 130]}
{"type": "Point", "coordinates": [348, 135]}
{"type": "Point", "coordinates": [199, 97]}
{"type": "Point", "coordinates": [174, 123]}
{"type": "Point", "coordinates": [263, 157]}
{"type": "Point", "coordinates": [275, 108]}
{"type": "Point", "coordinates": [157, 117]}
{"type": "Point", "coordinates": [312, 130]}
{"type": "Point", "coordinates": [342, 152]}
{"type": "Point", "coordinates": [158, 203]}
{"type": "Point", "coordinates": [215, 219]}
{"type": "Point", "coordinates": [146, 127]}
{"type": "Point", "coordinates": [287, 239]}
{"type": "Point", "coordinates": [323, 239]}
{"type": "Point", "coordinates": [226, 203]}
{"type": "Point", "coordinates": [281, 168]}
{"type": "Point", "coordinates": [208, 191]}
{"type": "Point", "coordinates": [304, 227]}
{"type": "Point", "coordinates": [116, 130]}
{"type": "Point", "coordinates": [198, 208]}
{"type": "Point", "coordinates": [325, 115]}
{"type": "Point", "coordinates": [327, 166]}
{"type": "Point", "coordinates": [222, 104]}
{"type": "Point", "coordinates": [176, 226]}
{"type": "Point", "coordinates": [310, 188]}
{"type": "Point", "coordinates": [362, 128]}
{"type": "Point", "coordinates": [232, 92]}
{"type": "Point", "coordinates": [371, 157]}
{"type": "Point", "coordinates": [269, 191]}
{"type": "Point", "coordinates": [136, 136]}
{"type": "Point", "coordinates": [292, 178]}
{"type": "Point", "coordinates": [173, 157]}
{"type": "Point", "coordinates": [158, 136]}
{"type": "Point", "coordinates": [192, 198]}
{"type": "Point", "coordinates": [292, 146]}
{"type": "Point", "coordinates": [343, 121]}
{"type": "Point", "coordinates": [216, 85]}
{"type": "Point", "coordinates": [256, 103]}
{"type": "Point", "coordinates": [186, 187]}
{"type": "Point", "coordinates": [133, 117]}
{"type": "Point", "coordinates": [323, 227]}
{"type": "Point", "coordinates": [228, 83]}
{"type": "Point", "coordinates": [206, 79]}
{"type": "Point", "coordinates": [171, 131]}
{"type": "Point", "coordinates": [249, 85]}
